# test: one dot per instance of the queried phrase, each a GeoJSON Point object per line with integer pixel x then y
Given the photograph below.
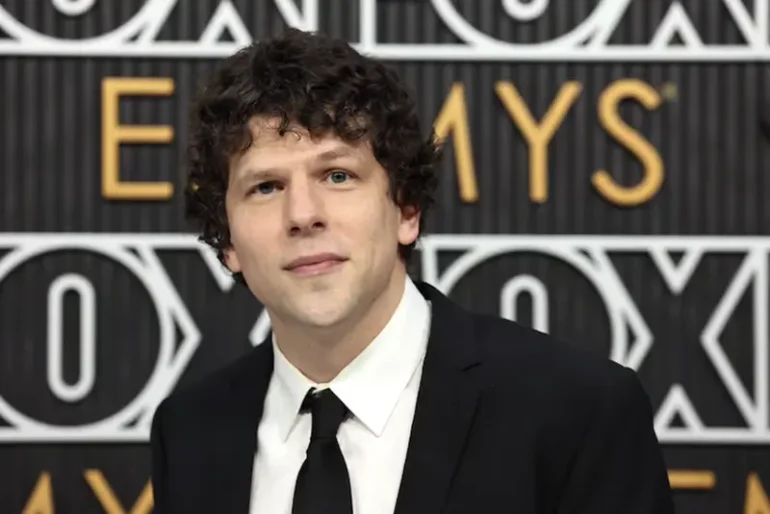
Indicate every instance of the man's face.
{"type": "Point", "coordinates": [313, 227]}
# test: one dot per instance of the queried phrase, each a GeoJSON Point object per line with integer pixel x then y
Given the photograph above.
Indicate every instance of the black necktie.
{"type": "Point", "coordinates": [323, 484]}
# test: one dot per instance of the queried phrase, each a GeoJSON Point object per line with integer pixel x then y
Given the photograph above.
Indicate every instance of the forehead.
{"type": "Point", "coordinates": [271, 149]}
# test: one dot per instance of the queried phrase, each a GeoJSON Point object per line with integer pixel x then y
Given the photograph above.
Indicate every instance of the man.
{"type": "Point", "coordinates": [374, 394]}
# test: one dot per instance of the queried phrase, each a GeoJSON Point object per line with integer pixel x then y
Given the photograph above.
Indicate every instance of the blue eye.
{"type": "Point", "coordinates": [338, 177]}
{"type": "Point", "coordinates": [265, 188]}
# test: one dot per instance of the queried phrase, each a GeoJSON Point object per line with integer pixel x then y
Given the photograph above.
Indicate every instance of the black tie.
{"type": "Point", "coordinates": [323, 484]}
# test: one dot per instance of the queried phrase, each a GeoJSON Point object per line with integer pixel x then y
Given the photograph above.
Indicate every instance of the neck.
{"type": "Point", "coordinates": [320, 353]}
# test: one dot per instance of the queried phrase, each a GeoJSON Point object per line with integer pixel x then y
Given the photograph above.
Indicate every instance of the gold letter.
{"type": "Point", "coordinates": [107, 499]}
{"type": "Point", "coordinates": [538, 136]}
{"type": "Point", "coordinates": [113, 133]}
{"type": "Point", "coordinates": [41, 499]}
{"type": "Point", "coordinates": [629, 138]}
{"type": "Point", "coordinates": [756, 497]}
{"type": "Point", "coordinates": [691, 479]}
{"type": "Point", "coordinates": [453, 117]}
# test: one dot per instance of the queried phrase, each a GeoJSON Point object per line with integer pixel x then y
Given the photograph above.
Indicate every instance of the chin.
{"type": "Point", "coordinates": [322, 316]}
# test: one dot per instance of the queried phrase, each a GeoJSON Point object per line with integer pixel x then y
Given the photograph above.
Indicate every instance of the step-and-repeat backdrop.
{"type": "Point", "coordinates": [605, 181]}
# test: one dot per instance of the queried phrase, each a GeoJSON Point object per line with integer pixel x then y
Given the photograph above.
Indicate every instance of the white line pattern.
{"type": "Point", "coordinates": [631, 337]}
{"type": "Point", "coordinates": [588, 41]}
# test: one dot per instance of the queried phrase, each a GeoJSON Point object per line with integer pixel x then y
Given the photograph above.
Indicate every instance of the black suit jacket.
{"type": "Point", "coordinates": [508, 420]}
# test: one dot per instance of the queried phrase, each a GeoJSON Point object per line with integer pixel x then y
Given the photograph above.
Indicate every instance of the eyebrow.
{"type": "Point", "coordinates": [334, 153]}
{"type": "Point", "coordinates": [325, 156]}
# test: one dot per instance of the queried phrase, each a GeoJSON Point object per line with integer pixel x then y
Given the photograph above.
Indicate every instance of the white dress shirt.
{"type": "Point", "coordinates": [379, 387]}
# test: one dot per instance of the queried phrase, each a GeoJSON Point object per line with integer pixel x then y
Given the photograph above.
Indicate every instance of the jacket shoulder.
{"type": "Point", "coordinates": [207, 392]}
{"type": "Point", "coordinates": [554, 391]}
{"type": "Point", "coordinates": [556, 372]}
{"type": "Point", "coordinates": [512, 344]}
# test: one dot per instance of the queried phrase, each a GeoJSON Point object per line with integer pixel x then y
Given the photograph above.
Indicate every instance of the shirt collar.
{"type": "Point", "coordinates": [292, 386]}
{"type": "Point", "coordinates": [372, 383]}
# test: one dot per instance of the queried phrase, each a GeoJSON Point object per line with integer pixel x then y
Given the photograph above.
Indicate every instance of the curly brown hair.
{"type": "Point", "coordinates": [317, 82]}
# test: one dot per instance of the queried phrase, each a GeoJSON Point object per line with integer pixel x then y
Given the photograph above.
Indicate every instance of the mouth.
{"type": "Point", "coordinates": [317, 264]}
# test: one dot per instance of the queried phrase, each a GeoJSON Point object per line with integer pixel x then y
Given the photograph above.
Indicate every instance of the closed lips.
{"type": "Point", "coordinates": [314, 259]}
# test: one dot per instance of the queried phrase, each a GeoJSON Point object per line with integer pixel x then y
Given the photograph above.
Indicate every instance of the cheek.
{"type": "Point", "coordinates": [372, 223]}
{"type": "Point", "coordinates": [252, 236]}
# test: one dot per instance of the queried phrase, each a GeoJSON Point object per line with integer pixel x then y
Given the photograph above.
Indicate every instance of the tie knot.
{"type": "Point", "coordinates": [327, 412]}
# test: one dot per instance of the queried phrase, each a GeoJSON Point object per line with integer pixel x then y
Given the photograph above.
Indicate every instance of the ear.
{"type": "Point", "coordinates": [409, 225]}
{"type": "Point", "coordinates": [231, 260]}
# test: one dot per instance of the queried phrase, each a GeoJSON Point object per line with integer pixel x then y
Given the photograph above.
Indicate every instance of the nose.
{"type": "Point", "coordinates": [304, 208]}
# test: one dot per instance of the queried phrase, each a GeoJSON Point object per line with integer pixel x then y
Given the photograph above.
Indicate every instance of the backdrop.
{"type": "Point", "coordinates": [603, 183]}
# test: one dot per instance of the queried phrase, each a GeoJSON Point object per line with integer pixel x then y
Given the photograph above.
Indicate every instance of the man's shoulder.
{"type": "Point", "coordinates": [578, 417]}
{"type": "Point", "coordinates": [556, 389]}
{"type": "Point", "coordinates": [527, 358]}
{"type": "Point", "coordinates": [206, 393]}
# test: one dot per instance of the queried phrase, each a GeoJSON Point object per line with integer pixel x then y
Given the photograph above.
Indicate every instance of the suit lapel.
{"type": "Point", "coordinates": [232, 451]}
{"type": "Point", "coordinates": [446, 405]}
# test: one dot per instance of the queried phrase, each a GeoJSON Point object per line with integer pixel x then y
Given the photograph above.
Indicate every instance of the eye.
{"type": "Point", "coordinates": [264, 188]}
{"type": "Point", "coordinates": [338, 177]}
